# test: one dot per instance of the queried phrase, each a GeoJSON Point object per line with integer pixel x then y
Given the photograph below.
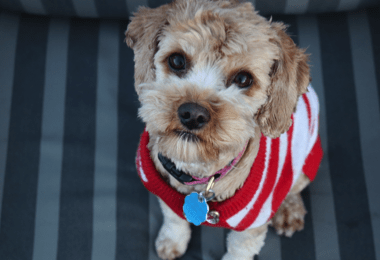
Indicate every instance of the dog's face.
{"type": "Point", "coordinates": [208, 74]}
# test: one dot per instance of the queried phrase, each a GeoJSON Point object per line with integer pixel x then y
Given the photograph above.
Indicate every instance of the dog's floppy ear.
{"type": "Point", "coordinates": [289, 79]}
{"type": "Point", "coordinates": [142, 36]}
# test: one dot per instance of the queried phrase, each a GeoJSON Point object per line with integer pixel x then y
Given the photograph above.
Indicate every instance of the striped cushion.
{"type": "Point", "coordinates": [122, 8]}
{"type": "Point", "coordinates": [69, 134]}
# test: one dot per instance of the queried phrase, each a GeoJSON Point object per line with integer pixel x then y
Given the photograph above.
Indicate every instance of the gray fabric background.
{"type": "Point", "coordinates": [69, 133]}
{"type": "Point", "coordinates": [122, 8]}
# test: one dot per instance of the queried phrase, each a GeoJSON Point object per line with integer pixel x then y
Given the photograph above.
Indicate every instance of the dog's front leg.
{"type": "Point", "coordinates": [174, 235]}
{"type": "Point", "coordinates": [245, 245]}
{"type": "Point", "coordinates": [289, 218]}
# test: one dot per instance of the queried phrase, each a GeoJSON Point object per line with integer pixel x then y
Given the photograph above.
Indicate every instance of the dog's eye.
{"type": "Point", "coordinates": [243, 79]}
{"type": "Point", "coordinates": [177, 61]}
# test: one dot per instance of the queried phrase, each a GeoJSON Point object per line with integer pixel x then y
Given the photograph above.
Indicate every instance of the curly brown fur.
{"type": "Point", "coordinates": [218, 40]}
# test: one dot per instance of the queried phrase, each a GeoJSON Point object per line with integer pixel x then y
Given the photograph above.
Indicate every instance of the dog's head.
{"type": "Point", "coordinates": [208, 73]}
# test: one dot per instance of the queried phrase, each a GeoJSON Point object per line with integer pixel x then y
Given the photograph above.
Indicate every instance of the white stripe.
{"type": "Point", "coordinates": [264, 214]}
{"type": "Point", "coordinates": [238, 217]}
{"type": "Point", "coordinates": [314, 107]}
{"type": "Point", "coordinates": [266, 210]}
{"type": "Point", "coordinates": [143, 176]}
{"type": "Point", "coordinates": [282, 155]}
{"type": "Point", "coordinates": [141, 171]}
{"type": "Point", "coordinates": [300, 138]}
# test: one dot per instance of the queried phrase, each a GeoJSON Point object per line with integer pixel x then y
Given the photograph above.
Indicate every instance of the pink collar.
{"type": "Point", "coordinates": [219, 174]}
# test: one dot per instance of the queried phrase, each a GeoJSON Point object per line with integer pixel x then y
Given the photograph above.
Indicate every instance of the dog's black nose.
{"type": "Point", "coordinates": [193, 116]}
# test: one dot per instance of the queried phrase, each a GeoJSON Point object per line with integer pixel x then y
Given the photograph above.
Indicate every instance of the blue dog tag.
{"type": "Point", "coordinates": [195, 208]}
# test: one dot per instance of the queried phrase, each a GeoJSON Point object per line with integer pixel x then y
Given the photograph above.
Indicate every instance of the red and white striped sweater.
{"type": "Point", "coordinates": [275, 170]}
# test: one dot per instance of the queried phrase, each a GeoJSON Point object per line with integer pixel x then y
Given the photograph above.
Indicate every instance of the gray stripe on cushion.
{"type": "Point", "coordinates": [49, 176]}
{"type": "Point", "coordinates": [85, 8]}
{"type": "Point", "coordinates": [33, 6]}
{"type": "Point", "coordinates": [194, 249]}
{"type": "Point", "coordinates": [8, 38]}
{"type": "Point", "coordinates": [369, 114]}
{"type": "Point", "coordinates": [134, 4]}
{"type": "Point", "coordinates": [322, 201]}
{"type": "Point", "coordinates": [155, 222]}
{"type": "Point", "coordinates": [346, 5]}
{"type": "Point", "coordinates": [272, 248]}
{"type": "Point", "coordinates": [296, 6]}
{"type": "Point", "coordinates": [213, 243]}
{"type": "Point", "coordinates": [104, 222]}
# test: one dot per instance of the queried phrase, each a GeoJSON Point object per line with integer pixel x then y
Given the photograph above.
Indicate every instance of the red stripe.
{"type": "Point", "coordinates": [155, 183]}
{"type": "Point", "coordinates": [267, 188]}
{"type": "Point", "coordinates": [313, 160]}
{"type": "Point", "coordinates": [243, 196]}
{"type": "Point", "coordinates": [286, 179]}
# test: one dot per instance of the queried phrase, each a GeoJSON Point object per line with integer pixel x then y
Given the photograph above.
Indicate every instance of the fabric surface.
{"type": "Point", "coordinates": [122, 8]}
{"type": "Point", "coordinates": [69, 133]}
{"type": "Point", "coordinates": [277, 166]}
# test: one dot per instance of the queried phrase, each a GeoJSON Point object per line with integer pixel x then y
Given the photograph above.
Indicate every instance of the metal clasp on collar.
{"type": "Point", "coordinates": [209, 194]}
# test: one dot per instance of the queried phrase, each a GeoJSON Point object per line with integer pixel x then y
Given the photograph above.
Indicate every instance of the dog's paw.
{"type": "Point", "coordinates": [171, 242]}
{"type": "Point", "coordinates": [229, 256]}
{"type": "Point", "coordinates": [168, 249]}
{"type": "Point", "coordinates": [290, 216]}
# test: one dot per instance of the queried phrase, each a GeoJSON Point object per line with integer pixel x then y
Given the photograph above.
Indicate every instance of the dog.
{"type": "Point", "coordinates": [230, 119]}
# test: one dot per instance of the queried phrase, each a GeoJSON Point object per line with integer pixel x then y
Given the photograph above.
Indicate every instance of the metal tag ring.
{"type": "Point", "coordinates": [208, 198]}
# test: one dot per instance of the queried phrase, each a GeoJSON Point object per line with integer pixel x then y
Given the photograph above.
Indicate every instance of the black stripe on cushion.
{"type": "Point", "coordinates": [132, 198]}
{"type": "Point", "coordinates": [21, 174]}
{"type": "Point", "coordinates": [374, 25]}
{"type": "Point", "coordinates": [77, 182]}
{"type": "Point", "coordinates": [344, 151]}
{"type": "Point", "coordinates": [194, 249]}
{"type": "Point", "coordinates": [14, 5]}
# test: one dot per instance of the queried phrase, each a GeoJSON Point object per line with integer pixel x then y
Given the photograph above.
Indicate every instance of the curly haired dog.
{"type": "Point", "coordinates": [217, 82]}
